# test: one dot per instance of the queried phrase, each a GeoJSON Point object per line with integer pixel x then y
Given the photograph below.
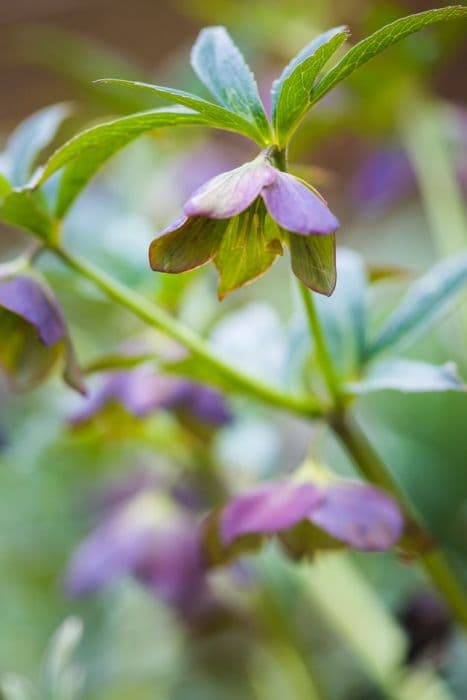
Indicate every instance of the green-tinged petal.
{"type": "Point", "coordinates": [314, 261]}
{"type": "Point", "coordinates": [248, 249]}
{"type": "Point", "coordinates": [187, 244]}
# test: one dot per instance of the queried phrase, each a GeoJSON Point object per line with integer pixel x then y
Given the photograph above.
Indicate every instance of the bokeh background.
{"type": "Point", "coordinates": [389, 148]}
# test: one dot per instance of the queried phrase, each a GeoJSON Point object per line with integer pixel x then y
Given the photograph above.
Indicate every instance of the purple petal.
{"type": "Point", "coordinates": [359, 515]}
{"type": "Point", "coordinates": [140, 391]}
{"type": "Point", "coordinates": [297, 208]}
{"type": "Point", "coordinates": [231, 193]}
{"type": "Point", "coordinates": [26, 298]}
{"type": "Point", "coordinates": [383, 178]}
{"type": "Point", "coordinates": [268, 509]}
{"type": "Point", "coordinates": [174, 568]}
{"type": "Point", "coordinates": [202, 403]}
{"type": "Point", "coordinates": [113, 550]}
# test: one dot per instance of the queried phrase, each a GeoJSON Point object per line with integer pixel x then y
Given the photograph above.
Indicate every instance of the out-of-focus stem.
{"type": "Point", "coordinates": [371, 466]}
{"type": "Point", "coordinates": [441, 194]}
{"type": "Point", "coordinates": [153, 315]}
{"type": "Point", "coordinates": [322, 351]}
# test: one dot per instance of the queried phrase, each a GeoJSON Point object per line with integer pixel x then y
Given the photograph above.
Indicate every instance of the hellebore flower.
{"type": "Point", "coordinates": [346, 512]}
{"type": "Point", "coordinates": [151, 540]}
{"type": "Point", "coordinates": [142, 391]}
{"type": "Point", "coordinates": [36, 334]}
{"type": "Point", "coordinates": [240, 219]}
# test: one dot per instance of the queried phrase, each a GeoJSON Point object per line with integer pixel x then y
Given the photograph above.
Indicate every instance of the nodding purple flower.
{"type": "Point", "coordinates": [37, 334]}
{"type": "Point", "coordinates": [353, 514]}
{"type": "Point", "coordinates": [151, 540]}
{"type": "Point", "coordinates": [240, 219]}
{"type": "Point", "coordinates": [142, 391]}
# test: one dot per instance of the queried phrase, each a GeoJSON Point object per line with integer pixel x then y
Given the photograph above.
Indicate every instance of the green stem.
{"type": "Point", "coordinates": [322, 352]}
{"type": "Point", "coordinates": [156, 317]}
{"type": "Point", "coordinates": [373, 469]}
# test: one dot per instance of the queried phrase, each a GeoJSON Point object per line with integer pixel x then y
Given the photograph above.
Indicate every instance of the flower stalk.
{"type": "Point", "coordinates": [305, 406]}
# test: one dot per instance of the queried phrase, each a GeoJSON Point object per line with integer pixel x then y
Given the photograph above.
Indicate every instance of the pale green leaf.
{"type": "Point", "coordinates": [26, 210]}
{"type": "Point", "coordinates": [408, 376]}
{"type": "Point", "coordinates": [380, 41]}
{"type": "Point", "coordinates": [291, 92]}
{"type": "Point", "coordinates": [424, 302]}
{"type": "Point", "coordinates": [28, 140]}
{"type": "Point", "coordinates": [344, 315]}
{"type": "Point", "coordinates": [219, 64]}
{"type": "Point", "coordinates": [216, 116]}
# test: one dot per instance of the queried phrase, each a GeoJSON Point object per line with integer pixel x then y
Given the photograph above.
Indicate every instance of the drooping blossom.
{"type": "Point", "coordinates": [35, 334]}
{"type": "Point", "coordinates": [357, 515]}
{"type": "Point", "coordinates": [150, 539]}
{"type": "Point", "coordinates": [142, 391]}
{"type": "Point", "coordinates": [428, 626]}
{"type": "Point", "coordinates": [239, 220]}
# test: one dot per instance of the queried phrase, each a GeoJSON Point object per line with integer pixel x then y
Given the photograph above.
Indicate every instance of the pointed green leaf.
{"type": "Point", "coordinates": [88, 150]}
{"type": "Point", "coordinates": [424, 302]}
{"type": "Point", "coordinates": [314, 261]}
{"type": "Point", "coordinates": [25, 209]}
{"type": "Point", "coordinates": [219, 64]}
{"type": "Point", "coordinates": [246, 252]}
{"type": "Point", "coordinates": [190, 245]}
{"type": "Point", "coordinates": [291, 92]}
{"type": "Point", "coordinates": [408, 376]}
{"type": "Point", "coordinates": [28, 140]}
{"type": "Point", "coordinates": [381, 40]}
{"type": "Point", "coordinates": [216, 116]}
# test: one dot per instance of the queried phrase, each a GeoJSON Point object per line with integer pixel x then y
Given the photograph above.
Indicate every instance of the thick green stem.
{"type": "Point", "coordinates": [156, 317]}
{"type": "Point", "coordinates": [373, 469]}
{"type": "Point", "coordinates": [322, 351]}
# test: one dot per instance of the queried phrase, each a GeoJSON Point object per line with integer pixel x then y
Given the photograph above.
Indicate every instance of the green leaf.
{"type": "Point", "coordinates": [62, 678]}
{"type": "Point", "coordinates": [381, 40]}
{"type": "Point", "coordinates": [190, 245]}
{"type": "Point", "coordinates": [425, 301]}
{"type": "Point", "coordinates": [88, 150]}
{"type": "Point", "coordinates": [247, 251]}
{"type": "Point", "coordinates": [28, 140]}
{"type": "Point", "coordinates": [219, 64]}
{"type": "Point", "coordinates": [216, 116]}
{"type": "Point", "coordinates": [344, 315]}
{"type": "Point", "coordinates": [291, 92]}
{"type": "Point", "coordinates": [5, 187]}
{"type": "Point", "coordinates": [408, 376]}
{"type": "Point", "coordinates": [313, 261]}
{"type": "Point", "coordinates": [25, 209]}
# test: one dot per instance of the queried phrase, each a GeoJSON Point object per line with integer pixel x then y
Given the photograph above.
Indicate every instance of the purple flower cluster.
{"type": "Point", "coordinates": [37, 334]}
{"type": "Point", "coordinates": [143, 391]}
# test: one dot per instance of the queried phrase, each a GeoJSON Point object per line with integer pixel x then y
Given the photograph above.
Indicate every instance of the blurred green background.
{"type": "Point", "coordinates": [331, 619]}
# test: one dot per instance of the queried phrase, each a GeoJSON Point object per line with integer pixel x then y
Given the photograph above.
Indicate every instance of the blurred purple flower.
{"type": "Point", "coordinates": [428, 626]}
{"type": "Point", "coordinates": [355, 514]}
{"type": "Point", "coordinates": [238, 202]}
{"type": "Point", "coordinates": [37, 334]}
{"type": "Point", "coordinates": [142, 391]}
{"type": "Point", "coordinates": [159, 546]}
{"type": "Point", "coordinates": [384, 177]}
